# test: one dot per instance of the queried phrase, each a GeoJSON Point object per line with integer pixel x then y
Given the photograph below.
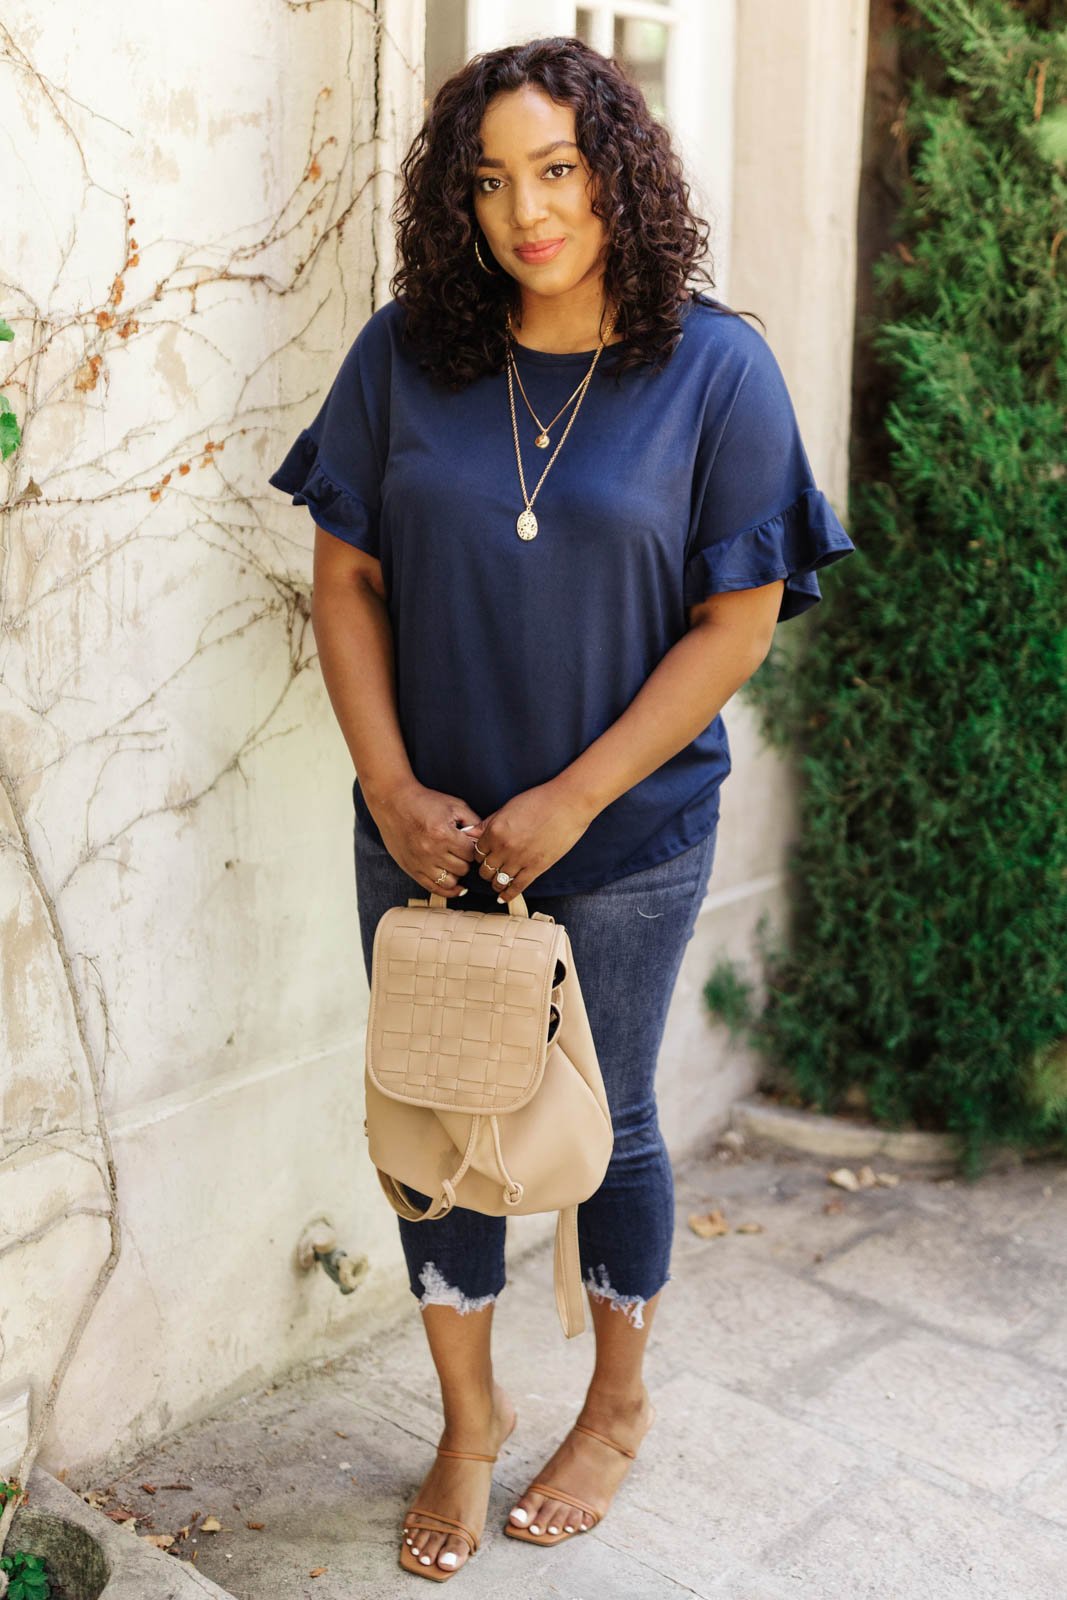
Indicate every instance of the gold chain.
{"type": "Point", "coordinates": [526, 526]}
{"type": "Point", "coordinates": [542, 438]}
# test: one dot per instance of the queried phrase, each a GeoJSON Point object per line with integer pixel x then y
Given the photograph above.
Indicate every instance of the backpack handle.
{"type": "Point", "coordinates": [516, 907]}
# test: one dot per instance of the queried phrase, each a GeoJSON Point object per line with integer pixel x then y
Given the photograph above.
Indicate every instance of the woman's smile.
{"type": "Point", "coordinates": [535, 253]}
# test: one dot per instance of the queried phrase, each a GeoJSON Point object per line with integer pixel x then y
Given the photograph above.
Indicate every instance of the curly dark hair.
{"type": "Point", "coordinates": [454, 312]}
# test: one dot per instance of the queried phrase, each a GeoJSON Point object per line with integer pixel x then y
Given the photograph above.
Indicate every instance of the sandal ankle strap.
{"type": "Point", "coordinates": [465, 1455]}
{"type": "Point", "coordinates": [584, 1428]}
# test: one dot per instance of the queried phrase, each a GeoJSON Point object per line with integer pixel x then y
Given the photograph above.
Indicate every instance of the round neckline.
{"type": "Point", "coordinates": [577, 358]}
{"type": "Point", "coordinates": [564, 358]}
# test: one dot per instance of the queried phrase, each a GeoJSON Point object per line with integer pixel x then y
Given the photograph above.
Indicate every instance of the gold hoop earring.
{"type": "Point", "coordinates": [482, 264]}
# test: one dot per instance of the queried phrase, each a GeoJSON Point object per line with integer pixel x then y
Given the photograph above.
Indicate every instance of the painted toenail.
{"type": "Point", "coordinates": [551, 1529]}
{"type": "Point", "coordinates": [449, 1560]}
{"type": "Point", "coordinates": [425, 1560]}
{"type": "Point", "coordinates": [519, 1514]}
{"type": "Point", "coordinates": [567, 1528]}
{"type": "Point", "coordinates": [534, 1528]}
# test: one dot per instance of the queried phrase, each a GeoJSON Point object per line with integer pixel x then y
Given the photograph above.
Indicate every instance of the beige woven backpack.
{"type": "Point", "coordinates": [482, 1081]}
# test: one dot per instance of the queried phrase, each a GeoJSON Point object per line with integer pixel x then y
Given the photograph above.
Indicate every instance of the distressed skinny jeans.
{"type": "Point", "coordinates": [628, 939]}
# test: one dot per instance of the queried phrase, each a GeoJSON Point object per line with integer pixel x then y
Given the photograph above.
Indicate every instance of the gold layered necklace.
{"type": "Point", "coordinates": [541, 440]}
{"type": "Point", "coordinates": [526, 524]}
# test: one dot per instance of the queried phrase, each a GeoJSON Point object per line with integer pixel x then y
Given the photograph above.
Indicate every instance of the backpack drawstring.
{"type": "Point", "coordinates": [514, 1191]}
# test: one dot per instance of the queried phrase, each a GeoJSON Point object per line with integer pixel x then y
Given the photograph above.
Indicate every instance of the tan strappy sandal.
{"type": "Point", "coordinates": [439, 1524]}
{"type": "Point", "coordinates": [550, 1492]}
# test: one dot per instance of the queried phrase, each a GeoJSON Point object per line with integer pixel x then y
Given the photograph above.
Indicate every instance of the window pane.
{"type": "Point", "coordinates": [445, 44]}
{"type": "Point", "coordinates": [642, 49]}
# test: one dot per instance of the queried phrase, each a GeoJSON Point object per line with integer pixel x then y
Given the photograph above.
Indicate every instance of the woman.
{"type": "Point", "coordinates": [561, 504]}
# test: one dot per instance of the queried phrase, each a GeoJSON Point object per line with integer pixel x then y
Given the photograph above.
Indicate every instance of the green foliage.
{"type": "Point", "coordinates": [10, 435]}
{"type": "Point", "coordinates": [27, 1578]}
{"type": "Point", "coordinates": [27, 1575]}
{"type": "Point", "coordinates": [927, 958]}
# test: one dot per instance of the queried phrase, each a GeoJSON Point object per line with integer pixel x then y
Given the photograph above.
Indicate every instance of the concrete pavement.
{"type": "Point", "coordinates": [867, 1399]}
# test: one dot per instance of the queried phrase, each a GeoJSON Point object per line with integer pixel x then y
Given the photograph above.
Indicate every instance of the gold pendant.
{"type": "Point", "coordinates": [527, 525]}
{"type": "Point", "coordinates": [542, 441]}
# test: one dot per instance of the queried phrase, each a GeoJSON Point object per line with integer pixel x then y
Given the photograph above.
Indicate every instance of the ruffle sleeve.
{"type": "Point", "coordinates": [332, 507]}
{"type": "Point", "coordinates": [336, 464]}
{"type": "Point", "coordinates": [792, 544]}
{"type": "Point", "coordinates": [757, 513]}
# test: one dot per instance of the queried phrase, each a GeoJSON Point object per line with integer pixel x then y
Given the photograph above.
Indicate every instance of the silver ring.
{"type": "Point", "coordinates": [503, 877]}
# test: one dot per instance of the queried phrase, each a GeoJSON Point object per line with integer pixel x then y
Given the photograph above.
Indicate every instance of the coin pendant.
{"type": "Point", "coordinates": [527, 525]}
{"type": "Point", "coordinates": [542, 441]}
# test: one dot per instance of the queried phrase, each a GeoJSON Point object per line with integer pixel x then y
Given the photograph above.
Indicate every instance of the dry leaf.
{"type": "Point", "coordinates": [120, 1514]}
{"type": "Point", "coordinates": [833, 1205]}
{"type": "Point", "coordinates": [149, 1488]}
{"type": "Point", "coordinates": [317, 1572]}
{"type": "Point", "coordinates": [210, 1525]}
{"type": "Point", "coordinates": [339, 1434]}
{"type": "Point", "coordinates": [256, 1525]}
{"type": "Point", "coordinates": [87, 374]}
{"type": "Point", "coordinates": [749, 1227]}
{"type": "Point", "coordinates": [708, 1224]}
{"type": "Point", "coordinates": [162, 1541]}
{"type": "Point", "coordinates": [866, 1178]}
{"type": "Point", "coordinates": [888, 1180]}
{"type": "Point", "coordinates": [844, 1177]}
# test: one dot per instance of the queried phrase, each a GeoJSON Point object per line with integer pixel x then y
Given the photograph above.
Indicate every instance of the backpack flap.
{"type": "Point", "coordinates": [461, 1007]}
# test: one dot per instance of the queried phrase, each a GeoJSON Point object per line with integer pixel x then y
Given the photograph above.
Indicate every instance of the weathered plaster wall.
{"type": "Point", "coordinates": [190, 245]}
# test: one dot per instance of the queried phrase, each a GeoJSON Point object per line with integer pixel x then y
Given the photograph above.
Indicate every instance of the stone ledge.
{"type": "Point", "coordinates": [92, 1557]}
{"type": "Point", "coordinates": [812, 1133]}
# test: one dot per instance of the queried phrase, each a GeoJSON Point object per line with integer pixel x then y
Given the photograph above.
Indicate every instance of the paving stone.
{"type": "Point", "coordinates": [982, 1416]}
{"type": "Point", "coordinates": [1028, 1205]}
{"type": "Point", "coordinates": [984, 1287]}
{"type": "Point", "coordinates": [1045, 1492]}
{"type": "Point", "coordinates": [753, 1325]}
{"type": "Point", "coordinates": [729, 1471]}
{"type": "Point", "coordinates": [790, 1200]}
{"type": "Point", "coordinates": [906, 1537]}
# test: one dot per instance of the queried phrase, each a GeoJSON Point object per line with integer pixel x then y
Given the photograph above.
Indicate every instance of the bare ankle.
{"type": "Point", "coordinates": [615, 1398]}
{"type": "Point", "coordinates": [474, 1410]}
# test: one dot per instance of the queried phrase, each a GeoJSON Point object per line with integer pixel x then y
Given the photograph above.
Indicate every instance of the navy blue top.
{"type": "Point", "coordinates": [513, 656]}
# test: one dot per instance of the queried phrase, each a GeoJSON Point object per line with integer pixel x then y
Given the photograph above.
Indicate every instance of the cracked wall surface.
{"type": "Point", "coordinates": [191, 243]}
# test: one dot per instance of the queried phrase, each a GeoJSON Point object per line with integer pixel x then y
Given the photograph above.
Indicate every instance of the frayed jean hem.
{"type": "Point", "coordinates": [437, 1291]}
{"type": "Point", "coordinates": [632, 1305]}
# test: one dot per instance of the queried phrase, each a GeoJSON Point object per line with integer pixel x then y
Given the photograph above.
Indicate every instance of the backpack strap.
{"type": "Point", "coordinates": [397, 1197]}
{"type": "Point", "coordinates": [567, 1273]}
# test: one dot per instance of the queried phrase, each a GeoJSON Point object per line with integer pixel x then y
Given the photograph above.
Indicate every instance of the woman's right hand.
{"type": "Point", "coordinates": [420, 828]}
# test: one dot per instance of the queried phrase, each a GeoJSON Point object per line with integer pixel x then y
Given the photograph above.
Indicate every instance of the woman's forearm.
{"type": "Point", "coordinates": [685, 691]}
{"type": "Point", "coordinates": [354, 636]}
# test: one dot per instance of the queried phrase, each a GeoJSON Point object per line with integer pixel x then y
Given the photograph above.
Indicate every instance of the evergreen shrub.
{"type": "Point", "coordinates": [924, 970]}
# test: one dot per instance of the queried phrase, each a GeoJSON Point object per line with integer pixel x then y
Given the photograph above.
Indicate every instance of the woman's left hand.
{"type": "Point", "coordinates": [527, 835]}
